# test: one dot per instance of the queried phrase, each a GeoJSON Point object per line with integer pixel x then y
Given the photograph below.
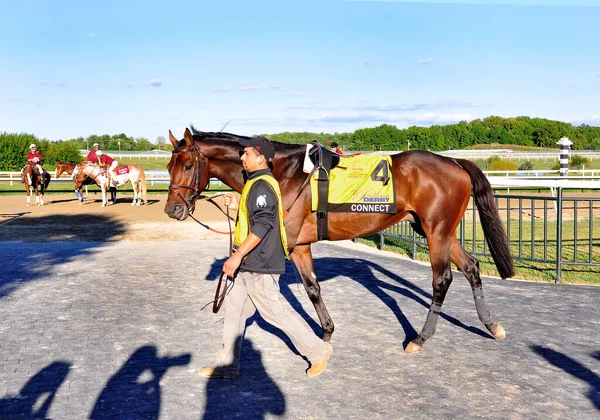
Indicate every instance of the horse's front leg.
{"type": "Point", "coordinates": [104, 198]}
{"type": "Point", "coordinates": [37, 196]}
{"type": "Point", "coordinates": [303, 260]}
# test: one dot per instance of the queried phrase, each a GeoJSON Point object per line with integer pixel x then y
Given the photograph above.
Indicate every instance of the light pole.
{"type": "Point", "coordinates": [408, 145]}
{"type": "Point", "coordinates": [119, 142]}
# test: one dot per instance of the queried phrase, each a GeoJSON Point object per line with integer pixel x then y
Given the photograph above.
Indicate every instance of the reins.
{"type": "Point", "coordinates": [190, 205]}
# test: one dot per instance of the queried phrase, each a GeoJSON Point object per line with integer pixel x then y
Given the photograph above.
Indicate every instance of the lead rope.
{"type": "Point", "coordinates": [220, 295]}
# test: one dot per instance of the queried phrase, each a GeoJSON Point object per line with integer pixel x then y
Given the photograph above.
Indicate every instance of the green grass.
{"type": "Point", "coordinates": [528, 270]}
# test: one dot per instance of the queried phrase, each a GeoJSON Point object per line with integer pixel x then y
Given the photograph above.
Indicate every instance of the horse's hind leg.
{"type": "Point", "coordinates": [303, 260]}
{"type": "Point", "coordinates": [439, 251]}
{"type": "Point", "coordinates": [469, 266]}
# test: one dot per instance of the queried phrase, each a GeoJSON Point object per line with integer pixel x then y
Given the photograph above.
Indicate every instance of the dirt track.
{"type": "Point", "coordinates": [63, 218]}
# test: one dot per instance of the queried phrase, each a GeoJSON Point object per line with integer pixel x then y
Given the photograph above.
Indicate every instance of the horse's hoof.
{"type": "Point", "coordinates": [497, 330]}
{"type": "Point", "coordinates": [413, 347]}
{"type": "Point", "coordinates": [28, 205]}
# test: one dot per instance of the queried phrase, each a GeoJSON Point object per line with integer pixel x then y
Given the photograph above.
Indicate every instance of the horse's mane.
{"type": "Point", "coordinates": [285, 148]}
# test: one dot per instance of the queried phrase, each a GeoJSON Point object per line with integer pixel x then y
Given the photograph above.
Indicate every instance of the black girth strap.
{"type": "Point", "coordinates": [323, 168]}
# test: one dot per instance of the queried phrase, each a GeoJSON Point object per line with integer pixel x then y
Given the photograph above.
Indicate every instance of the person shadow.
{"type": "Point", "coordinates": [253, 396]}
{"type": "Point", "coordinates": [134, 391]}
{"type": "Point", "coordinates": [36, 396]}
{"type": "Point", "coordinates": [574, 368]}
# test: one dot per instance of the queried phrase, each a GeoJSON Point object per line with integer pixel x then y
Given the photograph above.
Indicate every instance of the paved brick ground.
{"type": "Point", "coordinates": [116, 330]}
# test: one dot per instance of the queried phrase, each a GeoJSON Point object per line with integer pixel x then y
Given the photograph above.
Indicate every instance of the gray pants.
{"type": "Point", "coordinates": [252, 291]}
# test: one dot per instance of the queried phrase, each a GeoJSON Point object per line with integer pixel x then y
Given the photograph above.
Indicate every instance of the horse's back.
{"type": "Point", "coordinates": [426, 181]}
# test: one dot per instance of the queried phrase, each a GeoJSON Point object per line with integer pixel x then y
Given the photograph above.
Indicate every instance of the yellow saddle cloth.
{"type": "Point", "coordinates": [359, 184]}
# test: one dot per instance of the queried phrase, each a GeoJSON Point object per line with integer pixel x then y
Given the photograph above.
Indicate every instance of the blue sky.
{"type": "Point", "coordinates": [75, 68]}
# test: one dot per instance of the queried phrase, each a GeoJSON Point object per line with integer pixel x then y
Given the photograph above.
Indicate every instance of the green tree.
{"type": "Point", "coordinates": [161, 143]}
{"type": "Point", "coordinates": [13, 150]}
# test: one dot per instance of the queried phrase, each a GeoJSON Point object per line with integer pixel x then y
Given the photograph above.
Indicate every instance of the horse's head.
{"type": "Point", "coordinates": [189, 174]}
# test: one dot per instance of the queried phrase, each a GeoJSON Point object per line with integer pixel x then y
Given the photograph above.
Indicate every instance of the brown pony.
{"type": "Point", "coordinates": [432, 193]}
{"type": "Point", "coordinates": [34, 181]}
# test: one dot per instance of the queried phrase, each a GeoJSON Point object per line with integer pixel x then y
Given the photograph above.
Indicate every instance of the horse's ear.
{"type": "Point", "coordinates": [189, 140]}
{"type": "Point", "coordinates": [174, 141]}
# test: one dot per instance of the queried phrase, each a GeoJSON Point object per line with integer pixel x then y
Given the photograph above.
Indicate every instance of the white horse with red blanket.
{"type": "Point", "coordinates": [125, 174]}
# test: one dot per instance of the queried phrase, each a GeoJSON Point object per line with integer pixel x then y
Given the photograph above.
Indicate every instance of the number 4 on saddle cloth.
{"type": "Point", "coordinates": [356, 184]}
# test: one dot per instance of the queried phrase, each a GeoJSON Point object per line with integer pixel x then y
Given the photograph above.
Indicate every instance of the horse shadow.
{"type": "Point", "coordinates": [574, 368]}
{"type": "Point", "coordinates": [36, 396]}
{"type": "Point", "coordinates": [253, 396]}
{"type": "Point", "coordinates": [363, 272]}
{"type": "Point", "coordinates": [51, 241]}
{"type": "Point", "coordinates": [134, 391]}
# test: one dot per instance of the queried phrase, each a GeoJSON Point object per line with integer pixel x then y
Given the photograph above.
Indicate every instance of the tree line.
{"type": "Point", "coordinates": [519, 131]}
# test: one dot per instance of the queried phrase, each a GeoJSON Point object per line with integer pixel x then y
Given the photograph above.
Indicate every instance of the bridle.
{"type": "Point", "coordinates": [190, 204]}
{"type": "Point", "coordinates": [199, 159]}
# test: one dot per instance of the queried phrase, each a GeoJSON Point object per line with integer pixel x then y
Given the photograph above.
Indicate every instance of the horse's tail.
{"type": "Point", "coordinates": [46, 180]}
{"type": "Point", "coordinates": [143, 180]}
{"type": "Point", "coordinates": [490, 219]}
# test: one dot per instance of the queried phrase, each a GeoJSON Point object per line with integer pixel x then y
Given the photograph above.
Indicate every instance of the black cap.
{"type": "Point", "coordinates": [260, 143]}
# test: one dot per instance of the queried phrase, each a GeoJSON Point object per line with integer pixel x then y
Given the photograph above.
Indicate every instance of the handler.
{"type": "Point", "coordinates": [260, 250]}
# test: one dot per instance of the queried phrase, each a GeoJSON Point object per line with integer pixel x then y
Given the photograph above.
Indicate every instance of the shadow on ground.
{"type": "Point", "coordinates": [134, 392]}
{"type": "Point", "coordinates": [36, 396]}
{"type": "Point", "coordinates": [61, 239]}
{"type": "Point", "coordinates": [363, 272]}
{"type": "Point", "coordinates": [574, 368]}
{"type": "Point", "coordinates": [253, 396]}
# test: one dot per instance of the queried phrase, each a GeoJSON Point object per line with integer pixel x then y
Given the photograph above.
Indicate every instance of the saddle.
{"type": "Point", "coordinates": [324, 160]}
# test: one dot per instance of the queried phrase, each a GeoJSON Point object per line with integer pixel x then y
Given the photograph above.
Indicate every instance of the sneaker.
{"type": "Point", "coordinates": [318, 367]}
{"type": "Point", "coordinates": [218, 373]}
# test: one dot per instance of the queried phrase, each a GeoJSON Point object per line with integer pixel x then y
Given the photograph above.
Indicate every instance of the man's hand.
{"type": "Point", "coordinates": [232, 264]}
{"type": "Point", "coordinates": [232, 201]}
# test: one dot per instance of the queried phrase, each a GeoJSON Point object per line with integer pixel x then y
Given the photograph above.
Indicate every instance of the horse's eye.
{"type": "Point", "coordinates": [188, 167]}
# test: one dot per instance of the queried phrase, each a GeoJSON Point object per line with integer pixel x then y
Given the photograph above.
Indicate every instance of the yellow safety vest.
{"type": "Point", "coordinates": [242, 226]}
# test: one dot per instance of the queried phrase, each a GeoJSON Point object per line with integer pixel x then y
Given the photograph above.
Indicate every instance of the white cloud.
{"type": "Point", "coordinates": [227, 88]}
{"type": "Point", "coordinates": [418, 106]}
{"type": "Point", "coordinates": [276, 86]}
{"type": "Point", "coordinates": [91, 35]}
{"type": "Point", "coordinates": [155, 82]}
{"type": "Point", "coordinates": [60, 84]}
{"type": "Point", "coordinates": [254, 87]}
{"type": "Point", "coordinates": [366, 62]}
{"type": "Point", "coordinates": [428, 60]}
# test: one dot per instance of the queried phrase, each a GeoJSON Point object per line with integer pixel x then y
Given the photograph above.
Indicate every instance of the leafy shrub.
{"type": "Point", "coordinates": [497, 164]}
{"type": "Point", "coordinates": [526, 166]}
{"type": "Point", "coordinates": [577, 162]}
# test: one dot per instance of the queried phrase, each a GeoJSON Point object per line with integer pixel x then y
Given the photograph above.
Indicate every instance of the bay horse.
{"type": "Point", "coordinates": [35, 182]}
{"type": "Point", "coordinates": [135, 175]}
{"type": "Point", "coordinates": [69, 168]}
{"type": "Point", "coordinates": [432, 193]}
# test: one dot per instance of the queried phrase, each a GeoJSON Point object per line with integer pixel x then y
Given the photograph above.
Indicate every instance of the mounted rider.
{"type": "Point", "coordinates": [91, 156]}
{"type": "Point", "coordinates": [109, 163]}
{"type": "Point", "coordinates": [34, 158]}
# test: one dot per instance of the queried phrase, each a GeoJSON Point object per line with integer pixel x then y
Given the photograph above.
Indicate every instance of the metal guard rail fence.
{"type": "Point", "coordinates": [556, 245]}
